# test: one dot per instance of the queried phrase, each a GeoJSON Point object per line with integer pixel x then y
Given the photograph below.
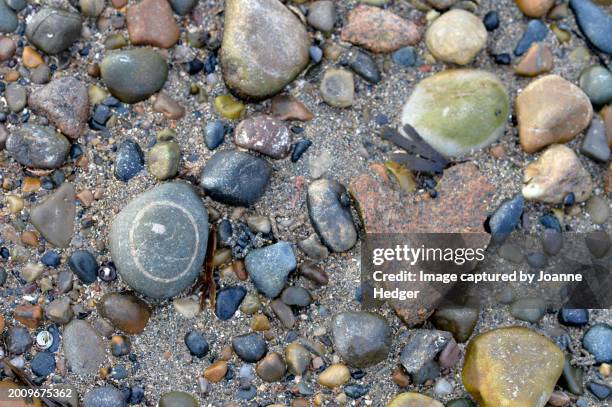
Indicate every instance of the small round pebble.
{"type": "Point", "coordinates": [197, 344]}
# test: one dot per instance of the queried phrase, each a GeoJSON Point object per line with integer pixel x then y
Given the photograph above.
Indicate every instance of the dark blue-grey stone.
{"type": "Point", "coordinates": [600, 390]}
{"type": "Point", "coordinates": [598, 341]}
{"type": "Point", "coordinates": [299, 149]}
{"type": "Point", "coordinates": [506, 218]}
{"type": "Point", "coordinates": [406, 57]}
{"type": "Point", "coordinates": [595, 23]}
{"type": "Point", "coordinates": [316, 54]}
{"type": "Point", "coordinates": [418, 356]}
{"type": "Point", "coordinates": [296, 296]}
{"type": "Point", "coordinates": [536, 260]}
{"type": "Point", "coordinates": [17, 5]}
{"type": "Point", "coordinates": [356, 391]}
{"type": "Point", "coordinates": [363, 65]}
{"type": "Point", "coordinates": [228, 300]}
{"type": "Point", "coordinates": [491, 20]}
{"type": "Point", "coordinates": [129, 162]}
{"type": "Point", "coordinates": [8, 19]}
{"type": "Point", "coordinates": [183, 7]}
{"type": "Point", "coordinates": [3, 276]}
{"type": "Point", "coordinates": [536, 31]}
{"type": "Point", "coordinates": [197, 344]}
{"type": "Point", "coordinates": [528, 309]}
{"type": "Point", "coordinates": [250, 347]}
{"type": "Point", "coordinates": [53, 30]}
{"type": "Point", "coordinates": [51, 259]}
{"type": "Point", "coordinates": [38, 146]}
{"type": "Point", "coordinates": [17, 340]}
{"type": "Point", "coordinates": [214, 134]}
{"type": "Point", "coordinates": [330, 214]}
{"type": "Point", "coordinates": [107, 396]}
{"type": "Point", "coordinates": [134, 75]}
{"type": "Point", "coordinates": [269, 267]}
{"type": "Point", "coordinates": [595, 143]}
{"type": "Point", "coordinates": [43, 364]}
{"type": "Point", "coordinates": [573, 317]}
{"type": "Point", "coordinates": [361, 338]}
{"type": "Point", "coordinates": [84, 265]}
{"type": "Point", "coordinates": [158, 241]}
{"type": "Point", "coordinates": [235, 178]}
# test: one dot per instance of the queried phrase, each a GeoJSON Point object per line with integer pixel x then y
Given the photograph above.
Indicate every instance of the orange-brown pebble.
{"type": "Point", "coordinates": [93, 70]}
{"type": "Point", "coordinates": [300, 402]}
{"type": "Point", "coordinates": [239, 270]}
{"type": "Point", "coordinates": [226, 353]}
{"type": "Point", "coordinates": [1, 323]}
{"type": "Point", "coordinates": [29, 315]}
{"type": "Point", "coordinates": [29, 238]}
{"type": "Point", "coordinates": [606, 114]}
{"type": "Point", "coordinates": [537, 60]}
{"type": "Point", "coordinates": [535, 8]}
{"type": "Point", "coordinates": [30, 184]}
{"type": "Point", "coordinates": [400, 378]}
{"type": "Point", "coordinates": [31, 59]}
{"type": "Point", "coordinates": [86, 197]}
{"type": "Point", "coordinates": [216, 372]}
{"type": "Point", "coordinates": [12, 76]}
{"type": "Point", "coordinates": [260, 323]}
{"type": "Point", "coordinates": [498, 151]}
{"type": "Point", "coordinates": [381, 171]}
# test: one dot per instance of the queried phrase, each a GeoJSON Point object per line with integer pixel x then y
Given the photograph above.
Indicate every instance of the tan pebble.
{"type": "Point", "coordinates": [169, 107]}
{"type": "Point", "coordinates": [333, 51]}
{"type": "Point", "coordinates": [498, 151]}
{"type": "Point", "coordinates": [551, 110]}
{"type": "Point", "coordinates": [119, 3]}
{"type": "Point", "coordinates": [29, 238]}
{"type": "Point", "coordinates": [537, 60]}
{"type": "Point", "coordinates": [12, 76]}
{"type": "Point", "coordinates": [334, 376]}
{"type": "Point", "coordinates": [605, 369]}
{"type": "Point", "coordinates": [31, 59]}
{"type": "Point", "coordinates": [216, 372]}
{"type": "Point", "coordinates": [82, 161]}
{"type": "Point", "coordinates": [226, 353]}
{"type": "Point", "coordinates": [400, 377]}
{"type": "Point", "coordinates": [260, 322]}
{"type": "Point", "coordinates": [554, 175]}
{"type": "Point", "coordinates": [85, 197]}
{"type": "Point", "coordinates": [151, 22]}
{"type": "Point", "coordinates": [380, 170]}
{"type": "Point", "coordinates": [535, 8]}
{"type": "Point", "coordinates": [299, 402]}
{"type": "Point", "coordinates": [1, 323]}
{"type": "Point", "coordinates": [30, 184]}
{"type": "Point", "coordinates": [14, 203]}
{"type": "Point", "coordinates": [318, 399]}
{"type": "Point", "coordinates": [559, 399]}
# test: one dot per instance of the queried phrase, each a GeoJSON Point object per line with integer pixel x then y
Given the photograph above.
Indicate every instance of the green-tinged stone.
{"type": "Point", "coordinates": [265, 46]}
{"type": "Point", "coordinates": [413, 400]}
{"type": "Point", "coordinates": [177, 399]}
{"type": "Point", "coordinates": [229, 107]}
{"type": "Point", "coordinates": [134, 75]}
{"type": "Point", "coordinates": [458, 111]}
{"type": "Point", "coordinates": [528, 309]}
{"type": "Point", "coordinates": [572, 377]}
{"type": "Point", "coordinates": [164, 159]}
{"type": "Point", "coordinates": [115, 41]}
{"type": "Point", "coordinates": [460, 321]}
{"type": "Point", "coordinates": [596, 82]}
{"type": "Point", "coordinates": [512, 366]}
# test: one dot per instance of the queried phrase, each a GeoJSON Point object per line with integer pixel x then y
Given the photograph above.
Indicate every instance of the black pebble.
{"type": "Point", "coordinates": [197, 344]}
{"type": "Point", "coordinates": [130, 161]}
{"type": "Point", "coordinates": [250, 347]}
{"type": "Point", "coordinates": [363, 65]}
{"type": "Point", "coordinates": [225, 232]}
{"type": "Point", "coordinates": [84, 265]}
{"type": "Point", "coordinates": [214, 134]}
{"type": "Point", "coordinates": [600, 390]}
{"type": "Point", "coordinates": [491, 20]}
{"type": "Point", "coordinates": [502, 59]}
{"type": "Point", "coordinates": [2, 277]}
{"type": "Point", "coordinates": [43, 364]}
{"type": "Point", "coordinates": [299, 149]}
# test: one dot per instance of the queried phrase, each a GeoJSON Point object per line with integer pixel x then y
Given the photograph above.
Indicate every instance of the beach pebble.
{"type": "Point", "coordinates": [595, 143]}
{"type": "Point", "coordinates": [269, 267]}
{"type": "Point", "coordinates": [551, 110]}
{"type": "Point", "coordinates": [8, 19]}
{"type": "Point", "coordinates": [271, 368]}
{"type": "Point", "coordinates": [252, 67]}
{"type": "Point", "coordinates": [594, 22]}
{"type": "Point", "coordinates": [177, 399]}
{"type": "Point", "coordinates": [125, 312]}
{"type": "Point", "coordinates": [322, 15]}
{"type": "Point", "coordinates": [197, 344]}
{"type": "Point", "coordinates": [151, 22]}
{"type": "Point", "coordinates": [250, 347]}
{"type": "Point", "coordinates": [129, 161]}
{"type": "Point", "coordinates": [107, 396]}
{"type": "Point", "coordinates": [361, 338]}
{"type": "Point", "coordinates": [557, 173]}
{"type": "Point", "coordinates": [164, 159]}
{"type": "Point", "coordinates": [538, 60]}
{"type": "Point", "coordinates": [457, 36]}
{"type": "Point", "coordinates": [334, 376]}
{"type": "Point", "coordinates": [337, 88]}
{"type": "Point", "coordinates": [598, 341]}
{"type": "Point", "coordinates": [145, 257]}
{"type": "Point", "coordinates": [235, 178]}
{"type": "Point", "coordinates": [535, 8]}
{"type": "Point", "coordinates": [54, 217]}
{"type": "Point", "coordinates": [183, 7]}
{"type": "Point", "coordinates": [453, 120]}
{"type": "Point", "coordinates": [37, 146]}
{"type": "Point", "coordinates": [265, 135]}
{"type": "Point", "coordinates": [53, 30]}
{"type": "Point", "coordinates": [596, 82]}
{"type": "Point", "coordinates": [413, 400]}
{"type": "Point", "coordinates": [84, 265]}
{"type": "Point", "coordinates": [83, 348]}
{"type": "Point", "coordinates": [228, 301]}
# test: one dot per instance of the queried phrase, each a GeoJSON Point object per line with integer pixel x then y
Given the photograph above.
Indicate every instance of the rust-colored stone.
{"type": "Point", "coordinates": [151, 22]}
{"type": "Point", "coordinates": [537, 60]}
{"type": "Point", "coordinates": [462, 205]}
{"type": "Point", "coordinates": [216, 372]}
{"type": "Point", "coordinates": [31, 59]}
{"type": "Point", "coordinates": [379, 30]}
{"type": "Point", "coordinates": [29, 315]}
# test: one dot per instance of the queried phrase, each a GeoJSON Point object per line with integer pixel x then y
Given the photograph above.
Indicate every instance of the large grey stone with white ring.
{"type": "Point", "coordinates": [158, 241]}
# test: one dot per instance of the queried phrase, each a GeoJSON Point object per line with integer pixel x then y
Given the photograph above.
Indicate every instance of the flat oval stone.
{"type": "Point", "coordinates": [129, 161]}
{"type": "Point", "coordinates": [54, 217]}
{"type": "Point", "coordinates": [235, 178]}
{"type": "Point", "coordinates": [456, 36]}
{"type": "Point", "coordinates": [228, 300]}
{"type": "Point", "coordinates": [264, 134]}
{"type": "Point", "coordinates": [598, 341]}
{"type": "Point", "coordinates": [126, 312]}
{"type": "Point", "coordinates": [596, 82]}
{"type": "Point", "coordinates": [83, 348]}
{"type": "Point", "coordinates": [595, 23]}
{"type": "Point", "coordinates": [269, 267]}
{"type": "Point", "coordinates": [457, 111]}
{"type": "Point", "coordinates": [264, 47]}
{"type": "Point", "coordinates": [8, 19]}
{"type": "Point", "coordinates": [37, 146]}
{"type": "Point", "coordinates": [361, 338]}
{"type": "Point", "coordinates": [506, 218]}
{"type": "Point", "coordinates": [52, 30]}
{"type": "Point", "coordinates": [250, 347]}
{"type": "Point", "coordinates": [330, 214]}
{"type": "Point", "coordinates": [536, 31]}
{"type": "Point", "coordinates": [177, 399]}
{"type": "Point", "coordinates": [134, 75]}
{"type": "Point", "coordinates": [414, 400]}
{"type": "Point", "coordinates": [158, 241]}
{"type": "Point", "coordinates": [107, 396]}
{"type": "Point", "coordinates": [84, 265]}
{"type": "Point", "coordinates": [272, 368]}
{"type": "Point", "coordinates": [511, 366]}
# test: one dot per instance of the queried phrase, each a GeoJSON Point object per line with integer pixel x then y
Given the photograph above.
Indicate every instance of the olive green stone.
{"type": "Point", "coordinates": [229, 107]}
{"type": "Point", "coordinates": [134, 75]}
{"type": "Point", "coordinates": [265, 46]}
{"type": "Point", "coordinates": [457, 111]}
{"type": "Point", "coordinates": [177, 399]}
{"type": "Point", "coordinates": [164, 159]}
{"type": "Point", "coordinates": [298, 358]}
{"type": "Point", "coordinates": [460, 321]}
{"type": "Point", "coordinates": [512, 366]}
{"type": "Point", "coordinates": [460, 403]}
{"type": "Point", "coordinates": [414, 400]}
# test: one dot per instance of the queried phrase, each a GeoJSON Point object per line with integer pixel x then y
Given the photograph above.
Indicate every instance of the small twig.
{"type": "Point", "coordinates": [206, 282]}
